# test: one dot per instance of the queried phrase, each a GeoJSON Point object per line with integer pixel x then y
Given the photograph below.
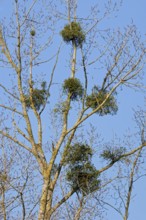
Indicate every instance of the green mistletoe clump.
{"type": "Point", "coordinates": [73, 33]}
{"type": "Point", "coordinates": [98, 98]}
{"type": "Point", "coordinates": [38, 97]}
{"type": "Point", "coordinates": [81, 174]}
{"type": "Point", "coordinates": [73, 87]}
{"type": "Point", "coordinates": [113, 154]}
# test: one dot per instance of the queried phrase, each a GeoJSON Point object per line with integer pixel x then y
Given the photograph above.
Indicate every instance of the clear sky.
{"type": "Point", "coordinates": [130, 11]}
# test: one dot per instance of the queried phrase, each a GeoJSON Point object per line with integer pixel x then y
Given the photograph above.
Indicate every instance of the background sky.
{"type": "Point", "coordinates": [130, 11]}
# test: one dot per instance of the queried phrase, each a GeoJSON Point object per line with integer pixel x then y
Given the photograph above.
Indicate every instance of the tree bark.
{"type": "Point", "coordinates": [45, 202]}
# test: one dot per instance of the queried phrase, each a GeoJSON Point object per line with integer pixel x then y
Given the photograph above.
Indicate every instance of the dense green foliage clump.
{"type": "Point", "coordinates": [77, 153]}
{"type": "Point", "coordinates": [32, 33]}
{"type": "Point", "coordinates": [97, 98]}
{"type": "Point", "coordinates": [3, 177]}
{"type": "Point", "coordinates": [83, 178]}
{"type": "Point", "coordinates": [74, 87]}
{"type": "Point", "coordinates": [81, 174]}
{"type": "Point", "coordinates": [73, 33]}
{"type": "Point", "coordinates": [38, 98]}
{"type": "Point", "coordinates": [113, 154]}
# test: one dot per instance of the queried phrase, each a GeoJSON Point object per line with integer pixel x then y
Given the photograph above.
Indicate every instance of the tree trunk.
{"type": "Point", "coordinates": [45, 202]}
{"type": "Point", "coordinates": [3, 205]}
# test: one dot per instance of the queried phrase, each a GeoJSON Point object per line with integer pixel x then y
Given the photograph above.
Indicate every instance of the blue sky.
{"type": "Point", "coordinates": [130, 11]}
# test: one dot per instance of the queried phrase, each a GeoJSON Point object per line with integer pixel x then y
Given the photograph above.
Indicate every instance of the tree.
{"type": "Point", "coordinates": [16, 182]}
{"type": "Point", "coordinates": [130, 171]}
{"type": "Point", "coordinates": [43, 114]}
